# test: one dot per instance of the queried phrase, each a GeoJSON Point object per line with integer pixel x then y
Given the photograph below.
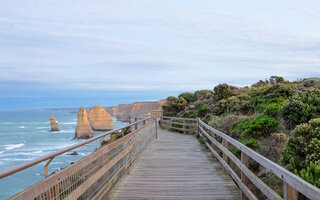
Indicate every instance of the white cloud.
{"type": "Point", "coordinates": [149, 44]}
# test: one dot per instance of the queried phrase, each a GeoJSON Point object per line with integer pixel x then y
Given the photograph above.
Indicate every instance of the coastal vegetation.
{"type": "Point", "coordinates": [277, 118]}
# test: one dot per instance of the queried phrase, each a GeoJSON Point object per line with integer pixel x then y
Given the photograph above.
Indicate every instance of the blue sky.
{"type": "Point", "coordinates": [60, 53]}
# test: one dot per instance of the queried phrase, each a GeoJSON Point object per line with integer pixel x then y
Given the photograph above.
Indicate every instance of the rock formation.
{"type": "Point", "coordinates": [123, 111]}
{"type": "Point", "coordinates": [112, 111]}
{"type": "Point", "coordinates": [99, 119]}
{"type": "Point", "coordinates": [83, 129]}
{"type": "Point", "coordinates": [53, 123]}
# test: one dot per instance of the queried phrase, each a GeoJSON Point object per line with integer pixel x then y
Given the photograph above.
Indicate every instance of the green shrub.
{"type": "Point", "coordinates": [207, 118]}
{"type": "Point", "coordinates": [252, 143]}
{"type": "Point", "coordinates": [272, 106]}
{"type": "Point", "coordinates": [240, 104]}
{"type": "Point", "coordinates": [203, 94]}
{"type": "Point", "coordinates": [189, 114]}
{"type": "Point", "coordinates": [303, 147]}
{"type": "Point", "coordinates": [301, 108]}
{"type": "Point", "coordinates": [174, 106]}
{"type": "Point", "coordinates": [225, 123]}
{"type": "Point", "coordinates": [263, 125]}
{"type": "Point", "coordinates": [223, 91]}
{"type": "Point", "coordinates": [311, 174]}
{"type": "Point", "coordinates": [203, 110]}
{"type": "Point", "coordinates": [264, 94]}
{"type": "Point", "coordinates": [188, 96]}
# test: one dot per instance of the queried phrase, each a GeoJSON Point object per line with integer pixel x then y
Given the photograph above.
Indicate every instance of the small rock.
{"type": "Point", "coordinates": [73, 153]}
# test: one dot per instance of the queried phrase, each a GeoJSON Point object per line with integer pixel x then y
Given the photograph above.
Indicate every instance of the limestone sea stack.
{"type": "Point", "coordinates": [83, 130]}
{"type": "Point", "coordinates": [99, 119]}
{"type": "Point", "coordinates": [53, 123]}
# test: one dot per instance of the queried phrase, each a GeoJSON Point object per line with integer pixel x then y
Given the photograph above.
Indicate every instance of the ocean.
{"type": "Point", "coordinates": [25, 135]}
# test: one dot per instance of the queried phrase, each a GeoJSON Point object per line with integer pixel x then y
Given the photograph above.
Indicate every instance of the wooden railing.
{"type": "Point", "coordinates": [177, 124]}
{"type": "Point", "coordinates": [133, 117]}
{"type": "Point", "coordinates": [93, 176]}
{"type": "Point", "coordinates": [218, 143]}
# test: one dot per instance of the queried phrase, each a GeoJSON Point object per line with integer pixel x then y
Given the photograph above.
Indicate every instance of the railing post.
{"type": "Point", "coordinates": [225, 144]}
{"type": "Point", "coordinates": [129, 119]}
{"type": "Point", "coordinates": [144, 122]}
{"type": "Point", "coordinates": [136, 125]}
{"type": "Point", "coordinates": [244, 179]}
{"type": "Point", "coordinates": [46, 171]}
{"type": "Point", "coordinates": [155, 121]}
{"type": "Point", "coordinates": [289, 193]}
{"type": "Point", "coordinates": [198, 126]}
{"type": "Point", "coordinates": [184, 127]}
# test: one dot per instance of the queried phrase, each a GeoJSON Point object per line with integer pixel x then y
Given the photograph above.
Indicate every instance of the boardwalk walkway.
{"type": "Point", "coordinates": [176, 167]}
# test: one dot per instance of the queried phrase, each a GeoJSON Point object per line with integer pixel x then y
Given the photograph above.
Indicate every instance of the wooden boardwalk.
{"type": "Point", "coordinates": [176, 167]}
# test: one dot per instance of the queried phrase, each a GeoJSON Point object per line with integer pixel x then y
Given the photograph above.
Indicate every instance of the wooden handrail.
{"type": "Point", "coordinates": [291, 182]}
{"type": "Point", "coordinates": [29, 164]}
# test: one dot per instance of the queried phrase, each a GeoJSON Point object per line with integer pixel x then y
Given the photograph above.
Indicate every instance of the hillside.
{"type": "Point", "coordinates": [277, 118]}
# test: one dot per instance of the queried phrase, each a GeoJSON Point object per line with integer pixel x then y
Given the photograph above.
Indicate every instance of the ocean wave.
{"type": "Point", "coordinates": [66, 123]}
{"type": "Point", "coordinates": [1, 152]}
{"type": "Point", "coordinates": [67, 131]}
{"type": "Point", "coordinates": [7, 122]}
{"type": "Point", "coordinates": [21, 126]}
{"type": "Point", "coordinates": [13, 146]}
{"type": "Point", "coordinates": [42, 127]}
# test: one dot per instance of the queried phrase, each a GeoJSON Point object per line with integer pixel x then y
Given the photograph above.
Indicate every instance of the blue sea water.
{"type": "Point", "coordinates": [25, 135]}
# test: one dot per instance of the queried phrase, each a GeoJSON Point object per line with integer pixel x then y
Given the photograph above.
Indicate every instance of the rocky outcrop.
{"type": "Point", "coordinates": [123, 111]}
{"type": "Point", "coordinates": [53, 123]}
{"type": "Point", "coordinates": [112, 111]}
{"type": "Point", "coordinates": [83, 129]}
{"type": "Point", "coordinates": [99, 119]}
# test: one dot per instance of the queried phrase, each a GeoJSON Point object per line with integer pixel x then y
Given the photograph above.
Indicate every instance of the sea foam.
{"type": "Point", "coordinates": [13, 146]}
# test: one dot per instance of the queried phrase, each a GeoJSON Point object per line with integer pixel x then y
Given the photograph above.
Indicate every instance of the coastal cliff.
{"type": "Point", "coordinates": [99, 119]}
{"type": "Point", "coordinates": [83, 129]}
{"type": "Point", "coordinates": [123, 111]}
{"type": "Point", "coordinates": [53, 123]}
{"type": "Point", "coordinates": [112, 110]}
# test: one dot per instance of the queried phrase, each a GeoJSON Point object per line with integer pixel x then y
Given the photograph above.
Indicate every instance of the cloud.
{"type": "Point", "coordinates": [155, 45]}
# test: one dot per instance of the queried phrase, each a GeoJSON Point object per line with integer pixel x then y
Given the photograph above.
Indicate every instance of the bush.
{"type": "Point", "coordinates": [189, 114]}
{"type": "Point", "coordinates": [223, 91]}
{"type": "Point", "coordinates": [272, 106]}
{"type": "Point", "coordinates": [252, 143]}
{"type": "Point", "coordinates": [174, 106]}
{"type": "Point", "coordinates": [263, 125]}
{"type": "Point", "coordinates": [240, 104]}
{"type": "Point", "coordinates": [303, 147]}
{"type": "Point", "coordinates": [311, 174]}
{"type": "Point", "coordinates": [264, 94]}
{"type": "Point", "coordinates": [225, 123]}
{"type": "Point", "coordinates": [203, 110]}
{"type": "Point", "coordinates": [188, 96]}
{"type": "Point", "coordinates": [203, 94]}
{"type": "Point", "coordinates": [301, 108]}
{"type": "Point", "coordinates": [207, 118]}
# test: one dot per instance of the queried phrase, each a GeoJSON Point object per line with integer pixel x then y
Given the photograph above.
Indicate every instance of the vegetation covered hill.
{"type": "Point", "coordinates": [277, 118]}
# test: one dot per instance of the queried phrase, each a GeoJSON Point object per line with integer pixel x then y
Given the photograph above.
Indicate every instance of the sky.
{"type": "Point", "coordinates": [70, 53]}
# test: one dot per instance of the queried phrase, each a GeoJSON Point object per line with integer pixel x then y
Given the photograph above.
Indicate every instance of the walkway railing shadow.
{"type": "Point", "coordinates": [219, 144]}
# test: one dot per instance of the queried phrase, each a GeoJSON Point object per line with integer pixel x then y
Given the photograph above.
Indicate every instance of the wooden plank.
{"type": "Point", "coordinates": [171, 171]}
{"type": "Point", "coordinates": [265, 189]}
